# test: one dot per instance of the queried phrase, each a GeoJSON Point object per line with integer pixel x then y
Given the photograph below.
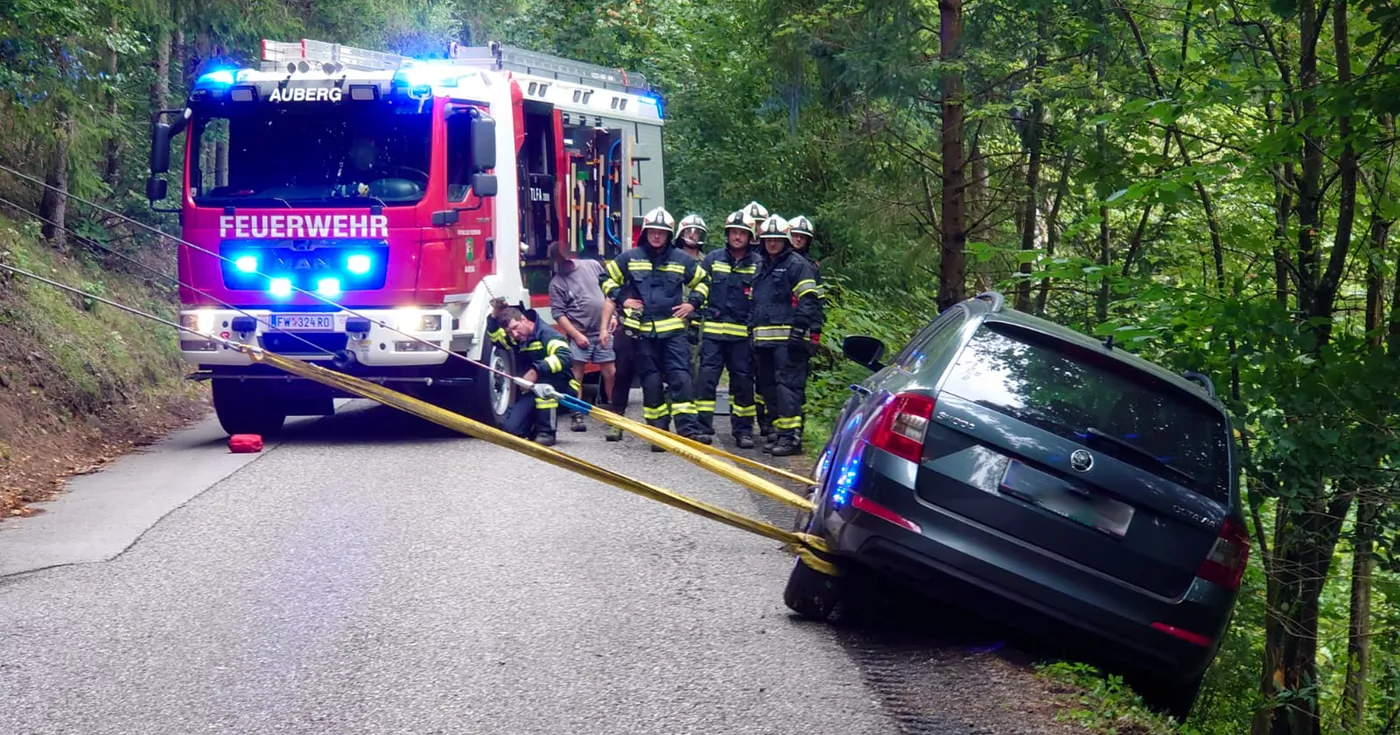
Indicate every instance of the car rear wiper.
{"type": "Point", "coordinates": [1139, 451]}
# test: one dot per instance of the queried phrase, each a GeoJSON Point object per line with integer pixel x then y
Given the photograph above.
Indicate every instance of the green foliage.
{"type": "Point", "coordinates": [1104, 704]}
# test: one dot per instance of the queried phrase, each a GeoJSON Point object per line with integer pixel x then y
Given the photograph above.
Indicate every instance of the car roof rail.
{"type": "Point", "coordinates": [996, 298]}
{"type": "Point", "coordinates": [1204, 381]}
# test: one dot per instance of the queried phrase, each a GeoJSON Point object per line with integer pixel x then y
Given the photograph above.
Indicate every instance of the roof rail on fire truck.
{"type": "Point", "coordinates": [308, 54]}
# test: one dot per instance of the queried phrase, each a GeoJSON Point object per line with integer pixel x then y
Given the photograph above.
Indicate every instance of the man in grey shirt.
{"type": "Point", "coordinates": [576, 300]}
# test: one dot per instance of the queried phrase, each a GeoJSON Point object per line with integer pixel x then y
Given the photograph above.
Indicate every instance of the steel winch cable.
{"type": "Point", "coordinates": [172, 279]}
{"type": "Point", "coordinates": [811, 550]}
{"type": "Point", "coordinates": [638, 428]}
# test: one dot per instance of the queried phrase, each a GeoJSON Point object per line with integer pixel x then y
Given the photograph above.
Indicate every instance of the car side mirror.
{"type": "Point", "coordinates": [445, 218]}
{"type": "Point", "coordinates": [484, 185]}
{"type": "Point", "coordinates": [865, 351]}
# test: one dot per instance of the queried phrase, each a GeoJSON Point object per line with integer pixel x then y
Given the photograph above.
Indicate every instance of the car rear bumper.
{"type": "Point", "coordinates": [974, 566]}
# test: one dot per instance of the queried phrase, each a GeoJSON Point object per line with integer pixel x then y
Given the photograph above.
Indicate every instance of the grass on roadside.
{"type": "Point", "coordinates": [1104, 704]}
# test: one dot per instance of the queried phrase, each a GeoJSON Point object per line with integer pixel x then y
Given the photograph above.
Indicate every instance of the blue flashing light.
{"type": "Point", "coordinates": [359, 264]}
{"type": "Point", "coordinates": [246, 263]}
{"type": "Point", "coordinates": [424, 75]}
{"type": "Point", "coordinates": [218, 78]}
{"type": "Point", "coordinates": [328, 287]}
{"type": "Point", "coordinates": [655, 99]}
{"type": "Point", "coordinates": [280, 287]}
{"type": "Point", "coordinates": [846, 479]}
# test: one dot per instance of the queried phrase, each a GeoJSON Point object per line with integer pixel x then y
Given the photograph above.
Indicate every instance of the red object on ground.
{"type": "Point", "coordinates": [245, 443]}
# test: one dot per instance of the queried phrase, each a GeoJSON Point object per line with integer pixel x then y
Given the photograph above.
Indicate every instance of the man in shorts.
{"type": "Point", "coordinates": [576, 300]}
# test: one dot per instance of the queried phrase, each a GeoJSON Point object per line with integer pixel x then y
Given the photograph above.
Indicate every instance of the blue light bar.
{"type": "Point", "coordinates": [217, 78]}
{"type": "Point", "coordinates": [328, 287]}
{"type": "Point", "coordinates": [280, 287]}
{"type": "Point", "coordinates": [246, 263]}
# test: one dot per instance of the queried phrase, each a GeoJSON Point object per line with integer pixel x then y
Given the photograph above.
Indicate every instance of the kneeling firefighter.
{"type": "Point", "coordinates": [726, 331]}
{"type": "Point", "coordinates": [785, 306]}
{"type": "Point", "coordinates": [656, 271]}
{"type": "Point", "coordinates": [533, 415]}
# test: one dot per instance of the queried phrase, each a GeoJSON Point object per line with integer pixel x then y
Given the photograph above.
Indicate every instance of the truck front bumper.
{"type": "Point", "coordinates": [370, 337]}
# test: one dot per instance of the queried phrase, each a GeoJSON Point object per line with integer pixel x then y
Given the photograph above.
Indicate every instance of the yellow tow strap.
{"type": "Point", "coordinates": [809, 548]}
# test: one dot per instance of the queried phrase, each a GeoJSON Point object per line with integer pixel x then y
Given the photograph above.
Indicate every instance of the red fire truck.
{"type": "Point", "coordinates": [410, 191]}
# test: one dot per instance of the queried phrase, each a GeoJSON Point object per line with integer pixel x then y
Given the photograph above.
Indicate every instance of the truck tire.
{"type": "Point", "coordinates": [246, 408]}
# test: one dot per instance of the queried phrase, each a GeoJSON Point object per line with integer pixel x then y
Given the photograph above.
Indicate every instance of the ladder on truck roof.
{"type": "Point", "coordinates": [308, 54]}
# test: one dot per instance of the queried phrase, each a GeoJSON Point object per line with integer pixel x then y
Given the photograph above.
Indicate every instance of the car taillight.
{"type": "Point", "coordinates": [1225, 563]}
{"type": "Point", "coordinates": [899, 428]}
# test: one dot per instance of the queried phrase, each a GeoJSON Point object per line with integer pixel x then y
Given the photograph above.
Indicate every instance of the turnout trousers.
{"type": "Point", "coordinates": [667, 359]}
{"type": "Point", "coordinates": [530, 416]}
{"type": "Point", "coordinates": [736, 356]}
{"type": "Point", "coordinates": [782, 375]}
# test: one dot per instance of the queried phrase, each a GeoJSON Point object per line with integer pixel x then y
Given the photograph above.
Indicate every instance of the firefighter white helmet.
{"type": "Point", "coordinates": [757, 212]}
{"type": "Point", "coordinates": [774, 227]}
{"type": "Point", "coordinates": [659, 219]}
{"type": "Point", "coordinates": [740, 220]}
{"type": "Point", "coordinates": [693, 220]}
{"type": "Point", "coordinates": [800, 225]}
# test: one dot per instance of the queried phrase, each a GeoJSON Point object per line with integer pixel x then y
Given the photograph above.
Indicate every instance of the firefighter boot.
{"type": "Point", "coordinates": [614, 434]}
{"type": "Point", "coordinates": [578, 423]}
{"type": "Point", "coordinates": [745, 441]}
{"type": "Point", "coordinates": [786, 446]}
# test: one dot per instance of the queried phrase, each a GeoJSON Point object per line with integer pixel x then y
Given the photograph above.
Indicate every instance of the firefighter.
{"type": "Point", "coordinates": [692, 241]}
{"type": "Point", "coordinates": [726, 334]}
{"type": "Point", "coordinates": [658, 271]}
{"type": "Point", "coordinates": [757, 214]}
{"type": "Point", "coordinates": [546, 352]}
{"type": "Point", "coordinates": [785, 306]}
{"type": "Point", "coordinates": [802, 234]}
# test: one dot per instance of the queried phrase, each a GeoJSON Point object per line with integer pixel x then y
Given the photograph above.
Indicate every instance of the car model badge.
{"type": "Point", "coordinates": [1081, 460]}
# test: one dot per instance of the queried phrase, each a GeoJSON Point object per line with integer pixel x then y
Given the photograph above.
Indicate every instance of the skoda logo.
{"type": "Point", "coordinates": [1081, 460]}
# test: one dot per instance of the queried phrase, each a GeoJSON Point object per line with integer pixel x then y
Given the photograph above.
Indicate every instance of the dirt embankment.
{"type": "Point", "coordinates": [80, 382]}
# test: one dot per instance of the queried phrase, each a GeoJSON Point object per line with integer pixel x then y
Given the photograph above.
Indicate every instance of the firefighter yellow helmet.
{"type": "Point", "coordinates": [774, 227]}
{"type": "Point", "coordinates": [659, 219]}
{"type": "Point", "coordinates": [693, 220]}
{"type": "Point", "coordinates": [757, 212]}
{"type": "Point", "coordinates": [740, 220]}
{"type": "Point", "coordinates": [800, 225]}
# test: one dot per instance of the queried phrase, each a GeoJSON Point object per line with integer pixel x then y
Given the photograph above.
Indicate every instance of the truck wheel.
{"type": "Point", "coordinates": [811, 594]}
{"type": "Point", "coordinates": [490, 394]}
{"type": "Point", "coordinates": [245, 408]}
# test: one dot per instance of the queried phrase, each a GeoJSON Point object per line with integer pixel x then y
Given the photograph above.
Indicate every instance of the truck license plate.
{"type": "Point", "coordinates": [304, 322]}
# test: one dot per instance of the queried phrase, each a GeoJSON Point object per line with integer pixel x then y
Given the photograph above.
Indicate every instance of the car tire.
{"type": "Point", "coordinates": [247, 408]}
{"type": "Point", "coordinates": [811, 594]}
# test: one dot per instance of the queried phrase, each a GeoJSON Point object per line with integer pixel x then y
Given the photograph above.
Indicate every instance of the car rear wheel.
{"type": "Point", "coordinates": [1173, 698]}
{"type": "Point", "coordinates": [811, 594]}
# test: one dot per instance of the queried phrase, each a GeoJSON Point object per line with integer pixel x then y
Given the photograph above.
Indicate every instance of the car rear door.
{"type": "Point", "coordinates": [1080, 454]}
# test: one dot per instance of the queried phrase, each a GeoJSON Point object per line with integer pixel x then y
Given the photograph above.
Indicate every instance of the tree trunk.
{"type": "Point", "coordinates": [114, 141]}
{"type": "Point", "coordinates": [1052, 235]}
{"type": "Point", "coordinates": [160, 88]}
{"type": "Point", "coordinates": [1105, 239]}
{"type": "Point", "coordinates": [1030, 216]}
{"type": "Point", "coordinates": [952, 282]}
{"type": "Point", "coordinates": [221, 163]}
{"type": "Point", "coordinates": [1359, 630]}
{"type": "Point", "coordinates": [53, 207]}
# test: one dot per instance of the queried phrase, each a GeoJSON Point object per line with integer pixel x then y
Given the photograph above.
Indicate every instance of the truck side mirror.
{"type": "Point", "coordinates": [484, 185]}
{"type": "Point", "coordinates": [155, 188]}
{"type": "Point", "coordinates": [160, 148]}
{"type": "Point", "coordinates": [483, 134]}
{"type": "Point", "coordinates": [865, 351]}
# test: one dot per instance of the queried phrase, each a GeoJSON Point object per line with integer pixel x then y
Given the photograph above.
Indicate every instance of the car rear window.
{"type": "Point", "coordinates": [1062, 388]}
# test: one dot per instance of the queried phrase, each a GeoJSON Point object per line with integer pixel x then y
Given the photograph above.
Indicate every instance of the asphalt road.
{"type": "Point", "coordinates": [370, 574]}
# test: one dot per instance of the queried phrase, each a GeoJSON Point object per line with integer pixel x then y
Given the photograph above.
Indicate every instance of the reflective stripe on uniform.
{"type": "Point", "coordinates": [544, 404]}
{"type": "Point", "coordinates": [743, 411]}
{"type": "Point", "coordinates": [660, 412]}
{"type": "Point", "coordinates": [772, 332]}
{"type": "Point", "coordinates": [728, 329]}
{"type": "Point", "coordinates": [791, 422]}
{"type": "Point", "coordinates": [804, 287]}
{"type": "Point", "coordinates": [705, 406]}
{"type": "Point", "coordinates": [681, 409]}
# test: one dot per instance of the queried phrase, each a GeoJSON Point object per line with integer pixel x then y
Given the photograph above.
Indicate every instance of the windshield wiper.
{"type": "Point", "coordinates": [1140, 452]}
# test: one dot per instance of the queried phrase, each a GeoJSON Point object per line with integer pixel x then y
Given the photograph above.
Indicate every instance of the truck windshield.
{"type": "Point", "coordinates": [312, 156]}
